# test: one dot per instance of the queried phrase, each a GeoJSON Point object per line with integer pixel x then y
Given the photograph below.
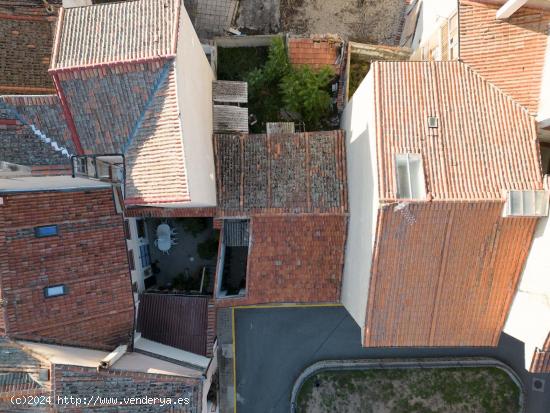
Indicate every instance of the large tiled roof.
{"type": "Point", "coordinates": [88, 256]}
{"type": "Point", "coordinates": [508, 53]}
{"type": "Point", "coordinates": [115, 32]}
{"type": "Point", "coordinates": [444, 273]}
{"type": "Point", "coordinates": [44, 113]}
{"type": "Point", "coordinates": [301, 172]}
{"type": "Point", "coordinates": [26, 41]}
{"type": "Point", "coordinates": [35, 132]}
{"type": "Point", "coordinates": [485, 142]}
{"type": "Point", "coordinates": [155, 162]}
{"type": "Point", "coordinates": [105, 103]}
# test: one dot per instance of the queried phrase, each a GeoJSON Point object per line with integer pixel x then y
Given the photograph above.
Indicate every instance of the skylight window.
{"type": "Point", "coordinates": [410, 176]}
{"type": "Point", "coordinates": [55, 291]}
{"type": "Point", "coordinates": [526, 204]}
{"type": "Point", "coordinates": [45, 231]}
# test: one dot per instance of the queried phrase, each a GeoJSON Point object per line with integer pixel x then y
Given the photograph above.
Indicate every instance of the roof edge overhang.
{"type": "Point", "coordinates": [56, 70]}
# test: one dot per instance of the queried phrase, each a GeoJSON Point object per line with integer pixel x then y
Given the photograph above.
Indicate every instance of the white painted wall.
{"type": "Point", "coordinates": [358, 122]}
{"type": "Point", "coordinates": [432, 16]}
{"type": "Point", "coordinates": [194, 88]}
{"type": "Point", "coordinates": [76, 3]}
{"type": "Point", "coordinates": [543, 114]}
{"type": "Point", "coordinates": [134, 244]}
{"type": "Point", "coordinates": [529, 317]}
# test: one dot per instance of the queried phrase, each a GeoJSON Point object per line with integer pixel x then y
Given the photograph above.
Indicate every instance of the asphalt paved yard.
{"type": "Point", "coordinates": [274, 345]}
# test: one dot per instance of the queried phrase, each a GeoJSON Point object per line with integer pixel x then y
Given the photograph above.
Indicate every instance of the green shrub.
{"type": "Point", "coordinates": [279, 86]}
{"type": "Point", "coordinates": [264, 94]}
{"type": "Point", "coordinates": [235, 63]}
{"type": "Point", "coordinates": [305, 92]}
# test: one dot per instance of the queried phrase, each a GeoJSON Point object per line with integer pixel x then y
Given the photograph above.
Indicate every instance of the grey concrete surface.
{"type": "Point", "coordinates": [274, 345]}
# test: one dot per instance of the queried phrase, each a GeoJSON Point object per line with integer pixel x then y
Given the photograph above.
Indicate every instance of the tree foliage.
{"type": "Point", "coordinates": [306, 92]}
{"type": "Point", "coordinates": [277, 85]}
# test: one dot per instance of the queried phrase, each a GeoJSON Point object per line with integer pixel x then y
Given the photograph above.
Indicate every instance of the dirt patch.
{"type": "Point", "coordinates": [457, 390]}
{"type": "Point", "coordinates": [367, 21]}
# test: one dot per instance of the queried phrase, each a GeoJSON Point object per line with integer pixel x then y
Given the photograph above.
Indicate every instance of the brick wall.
{"type": "Point", "coordinates": [85, 382]}
{"type": "Point", "coordinates": [88, 256]}
{"type": "Point", "coordinates": [294, 259]}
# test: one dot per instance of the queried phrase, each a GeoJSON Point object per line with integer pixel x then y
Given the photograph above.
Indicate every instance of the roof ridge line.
{"type": "Point", "coordinates": [498, 89]}
{"type": "Point", "coordinates": [158, 83]}
{"type": "Point", "coordinates": [469, 67]}
{"type": "Point", "coordinates": [55, 70]}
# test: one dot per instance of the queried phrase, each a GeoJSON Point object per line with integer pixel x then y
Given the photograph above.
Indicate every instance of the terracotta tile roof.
{"type": "Point", "coordinates": [540, 362]}
{"type": "Point", "coordinates": [294, 259]}
{"type": "Point", "coordinates": [175, 320]}
{"type": "Point", "coordinates": [29, 122]}
{"type": "Point", "coordinates": [44, 113]}
{"type": "Point", "coordinates": [485, 142]}
{"type": "Point", "coordinates": [25, 46]}
{"type": "Point", "coordinates": [444, 273]}
{"type": "Point", "coordinates": [155, 161]}
{"type": "Point", "coordinates": [76, 382]}
{"type": "Point", "coordinates": [508, 53]}
{"type": "Point", "coordinates": [19, 145]}
{"type": "Point", "coordinates": [105, 103]}
{"type": "Point", "coordinates": [16, 367]}
{"type": "Point", "coordinates": [301, 172]}
{"type": "Point", "coordinates": [88, 255]}
{"type": "Point", "coordinates": [315, 52]}
{"type": "Point", "coordinates": [116, 32]}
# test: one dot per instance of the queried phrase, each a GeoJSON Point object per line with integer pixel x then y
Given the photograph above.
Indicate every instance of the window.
{"type": "Point", "coordinates": [131, 260]}
{"type": "Point", "coordinates": [410, 176]}
{"type": "Point", "coordinates": [140, 228]}
{"type": "Point", "coordinates": [55, 291]}
{"type": "Point", "coordinates": [45, 231]}
{"type": "Point", "coordinates": [526, 204]}
{"type": "Point", "coordinates": [144, 255]}
{"type": "Point", "coordinates": [127, 229]}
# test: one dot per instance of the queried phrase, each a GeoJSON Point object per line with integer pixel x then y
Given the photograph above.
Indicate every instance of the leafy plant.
{"type": "Point", "coordinates": [278, 85]}
{"type": "Point", "coordinates": [264, 94]}
{"type": "Point", "coordinates": [305, 92]}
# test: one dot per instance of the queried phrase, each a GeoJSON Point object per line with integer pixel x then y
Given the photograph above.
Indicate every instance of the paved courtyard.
{"type": "Point", "coordinates": [274, 345]}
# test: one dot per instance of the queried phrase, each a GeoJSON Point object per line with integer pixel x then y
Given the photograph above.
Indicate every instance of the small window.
{"type": "Point", "coordinates": [140, 228]}
{"type": "Point", "coordinates": [127, 229]}
{"type": "Point", "coordinates": [55, 291]}
{"type": "Point", "coordinates": [144, 255]}
{"type": "Point", "coordinates": [410, 176]}
{"type": "Point", "coordinates": [527, 204]}
{"type": "Point", "coordinates": [131, 260]}
{"type": "Point", "coordinates": [45, 231]}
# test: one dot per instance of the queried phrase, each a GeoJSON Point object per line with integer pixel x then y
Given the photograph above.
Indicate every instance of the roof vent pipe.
{"type": "Point", "coordinates": [112, 357]}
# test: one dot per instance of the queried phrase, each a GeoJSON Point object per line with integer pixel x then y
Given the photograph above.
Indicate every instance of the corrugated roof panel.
{"type": "Point", "coordinates": [175, 320]}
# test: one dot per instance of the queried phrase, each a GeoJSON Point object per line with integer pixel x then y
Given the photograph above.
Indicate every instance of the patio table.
{"type": "Point", "coordinates": [164, 244]}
